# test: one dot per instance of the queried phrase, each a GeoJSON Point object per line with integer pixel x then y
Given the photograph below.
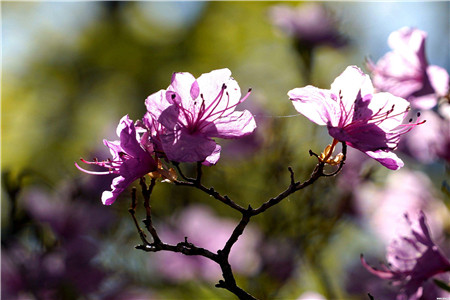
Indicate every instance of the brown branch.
{"type": "Point", "coordinates": [146, 193]}
{"type": "Point", "coordinates": [222, 256]}
{"type": "Point", "coordinates": [132, 211]}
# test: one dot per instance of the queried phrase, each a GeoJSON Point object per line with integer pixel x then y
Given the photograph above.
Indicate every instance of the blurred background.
{"type": "Point", "coordinates": [71, 70]}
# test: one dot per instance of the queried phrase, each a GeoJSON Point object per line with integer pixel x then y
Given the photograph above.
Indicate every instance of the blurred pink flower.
{"type": "Point", "coordinates": [370, 122]}
{"type": "Point", "coordinates": [405, 191]}
{"type": "Point", "coordinates": [429, 142]}
{"type": "Point", "coordinates": [204, 229]}
{"type": "Point", "coordinates": [310, 24]}
{"type": "Point", "coordinates": [130, 160]}
{"type": "Point", "coordinates": [405, 72]}
{"type": "Point", "coordinates": [413, 258]}
{"type": "Point", "coordinates": [193, 111]}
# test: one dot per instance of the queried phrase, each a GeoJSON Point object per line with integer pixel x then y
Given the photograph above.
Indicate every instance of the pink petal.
{"type": "Point", "coordinates": [351, 85]}
{"type": "Point", "coordinates": [315, 104]}
{"type": "Point", "coordinates": [119, 184]}
{"type": "Point", "coordinates": [181, 84]}
{"type": "Point", "coordinates": [129, 138]}
{"type": "Point", "coordinates": [237, 124]}
{"type": "Point", "coordinates": [213, 157]}
{"type": "Point", "coordinates": [388, 159]}
{"type": "Point", "coordinates": [157, 103]}
{"type": "Point", "coordinates": [407, 40]}
{"type": "Point", "coordinates": [381, 103]}
{"type": "Point", "coordinates": [211, 85]}
{"type": "Point", "coordinates": [181, 146]}
{"type": "Point", "coordinates": [396, 74]}
{"type": "Point", "coordinates": [439, 79]}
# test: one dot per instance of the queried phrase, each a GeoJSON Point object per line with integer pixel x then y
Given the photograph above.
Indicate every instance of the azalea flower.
{"type": "Point", "coordinates": [130, 160]}
{"type": "Point", "coordinates": [405, 72]}
{"type": "Point", "coordinates": [310, 24]}
{"type": "Point", "coordinates": [370, 122]}
{"type": "Point", "coordinates": [412, 260]}
{"type": "Point", "coordinates": [193, 111]}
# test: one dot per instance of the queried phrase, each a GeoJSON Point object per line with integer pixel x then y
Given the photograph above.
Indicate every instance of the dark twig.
{"type": "Point", "coordinates": [180, 172]}
{"type": "Point", "coordinates": [146, 193]}
{"type": "Point", "coordinates": [212, 192]}
{"type": "Point", "coordinates": [132, 211]}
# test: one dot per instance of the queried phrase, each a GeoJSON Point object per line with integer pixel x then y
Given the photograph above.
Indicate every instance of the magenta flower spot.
{"type": "Point", "coordinates": [405, 72]}
{"type": "Point", "coordinates": [412, 260]}
{"type": "Point", "coordinates": [193, 111]}
{"type": "Point", "coordinates": [130, 160]}
{"type": "Point", "coordinates": [370, 122]}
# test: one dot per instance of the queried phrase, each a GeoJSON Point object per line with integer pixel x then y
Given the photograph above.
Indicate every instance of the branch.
{"type": "Point", "coordinates": [132, 211]}
{"type": "Point", "coordinates": [222, 256]}
{"type": "Point", "coordinates": [212, 192]}
{"type": "Point", "coordinates": [146, 193]}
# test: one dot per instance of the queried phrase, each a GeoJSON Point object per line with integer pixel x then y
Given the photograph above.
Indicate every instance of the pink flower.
{"type": "Point", "coordinates": [404, 191]}
{"type": "Point", "coordinates": [310, 24]}
{"type": "Point", "coordinates": [193, 111]}
{"type": "Point", "coordinates": [412, 260]}
{"type": "Point", "coordinates": [130, 160]}
{"type": "Point", "coordinates": [370, 122]}
{"type": "Point", "coordinates": [405, 72]}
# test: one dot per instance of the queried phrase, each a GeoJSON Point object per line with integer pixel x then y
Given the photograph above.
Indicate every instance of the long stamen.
{"type": "Point", "coordinates": [232, 106]}
{"type": "Point", "coordinates": [215, 102]}
{"type": "Point", "coordinates": [95, 173]}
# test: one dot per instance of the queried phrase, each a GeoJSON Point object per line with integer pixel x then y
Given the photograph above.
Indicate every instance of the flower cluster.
{"type": "Point", "coordinates": [178, 127]}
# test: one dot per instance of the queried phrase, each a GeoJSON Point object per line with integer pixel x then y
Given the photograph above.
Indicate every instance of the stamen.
{"type": "Point", "coordinates": [93, 172]}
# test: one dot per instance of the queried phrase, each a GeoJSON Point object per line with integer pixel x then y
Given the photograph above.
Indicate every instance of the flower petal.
{"type": "Point", "coordinates": [129, 138]}
{"type": "Point", "coordinates": [237, 124]}
{"type": "Point", "coordinates": [181, 146]}
{"type": "Point", "coordinates": [388, 159]}
{"type": "Point", "coordinates": [211, 84]}
{"type": "Point", "coordinates": [181, 84]}
{"type": "Point", "coordinates": [213, 157]}
{"type": "Point", "coordinates": [408, 40]}
{"type": "Point", "coordinates": [119, 184]}
{"type": "Point", "coordinates": [157, 103]}
{"type": "Point", "coordinates": [382, 103]}
{"type": "Point", "coordinates": [362, 136]}
{"type": "Point", "coordinates": [351, 85]}
{"type": "Point", "coordinates": [315, 104]}
{"type": "Point", "coordinates": [439, 79]}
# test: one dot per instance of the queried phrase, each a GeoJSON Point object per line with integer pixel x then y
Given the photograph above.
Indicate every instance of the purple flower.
{"type": "Point", "coordinates": [429, 142]}
{"type": "Point", "coordinates": [412, 260]}
{"type": "Point", "coordinates": [193, 111]}
{"type": "Point", "coordinates": [130, 160]}
{"type": "Point", "coordinates": [370, 122]}
{"type": "Point", "coordinates": [310, 24]}
{"type": "Point", "coordinates": [405, 72]}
